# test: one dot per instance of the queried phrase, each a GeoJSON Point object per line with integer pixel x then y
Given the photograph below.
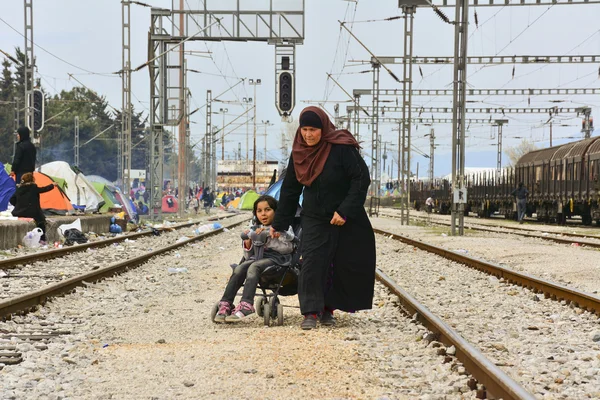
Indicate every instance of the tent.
{"type": "Point", "coordinates": [169, 204]}
{"type": "Point", "coordinates": [81, 192]}
{"type": "Point", "coordinates": [7, 189]}
{"type": "Point", "coordinates": [126, 204]}
{"type": "Point", "coordinates": [247, 200]}
{"type": "Point", "coordinates": [234, 203]}
{"type": "Point", "coordinates": [275, 189]}
{"type": "Point", "coordinates": [55, 201]}
{"type": "Point", "coordinates": [108, 194]}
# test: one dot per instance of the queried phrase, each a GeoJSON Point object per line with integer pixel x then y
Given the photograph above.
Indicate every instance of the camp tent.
{"type": "Point", "coordinates": [55, 201]}
{"type": "Point", "coordinates": [126, 204]}
{"type": "Point", "coordinates": [107, 194]}
{"type": "Point", "coordinates": [81, 192]}
{"type": "Point", "coordinates": [234, 203]}
{"type": "Point", "coordinates": [112, 196]}
{"type": "Point", "coordinates": [7, 189]}
{"type": "Point", "coordinates": [275, 189]}
{"type": "Point", "coordinates": [247, 200]}
{"type": "Point", "coordinates": [169, 204]}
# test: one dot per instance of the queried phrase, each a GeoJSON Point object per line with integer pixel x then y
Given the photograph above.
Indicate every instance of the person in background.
{"type": "Point", "coordinates": [520, 194]}
{"type": "Point", "coordinates": [207, 199]}
{"type": "Point", "coordinates": [429, 203]}
{"type": "Point", "coordinates": [142, 209]}
{"type": "Point", "coordinates": [25, 155]}
{"type": "Point", "coordinates": [27, 202]}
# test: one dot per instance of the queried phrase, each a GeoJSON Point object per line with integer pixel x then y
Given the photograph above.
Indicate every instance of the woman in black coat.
{"type": "Point", "coordinates": [27, 201]}
{"type": "Point", "coordinates": [338, 244]}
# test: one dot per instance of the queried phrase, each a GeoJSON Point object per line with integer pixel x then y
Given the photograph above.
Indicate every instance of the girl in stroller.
{"type": "Point", "coordinates": [260, 251]}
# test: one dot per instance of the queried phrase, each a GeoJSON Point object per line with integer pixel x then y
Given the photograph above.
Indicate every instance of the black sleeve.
{"type": "Point", "coordinates": [358, 173]}
{"type": "Point", "coordinates": [17, 159]}
{"type": "Point", "coordinates": [13, 199]}
{"type": "Point", "coordinates": [288, 199]}
{"type": "Point", "coordinates": [45, 189]}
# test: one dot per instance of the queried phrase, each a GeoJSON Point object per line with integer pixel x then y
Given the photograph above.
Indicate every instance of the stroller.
{"type": "Point", "coordinates": [279, 280]}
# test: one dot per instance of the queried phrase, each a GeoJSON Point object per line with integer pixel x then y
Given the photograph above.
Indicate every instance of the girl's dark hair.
{"type": "Point", "coordinates": [272, 203]}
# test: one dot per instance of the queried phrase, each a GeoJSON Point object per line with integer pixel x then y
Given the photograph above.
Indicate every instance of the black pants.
{"type": "Point", "coordinates": [319, 244]}
{"type": "Point", "coordinates": [250, 272]}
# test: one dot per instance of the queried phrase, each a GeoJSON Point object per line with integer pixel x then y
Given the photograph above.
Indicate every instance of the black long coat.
{"type": "Point", "coordinates": [342, 186]}
{"type": "Point", "coordinates": [25, 154]}
{"type": "Point", "coordinates": [27, 201]}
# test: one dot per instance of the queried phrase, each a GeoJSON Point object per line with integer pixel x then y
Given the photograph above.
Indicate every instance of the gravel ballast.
{"type": "Point", "coordinates": [546, 346]}
{"type": "Point", "coordinates": [146, 334]}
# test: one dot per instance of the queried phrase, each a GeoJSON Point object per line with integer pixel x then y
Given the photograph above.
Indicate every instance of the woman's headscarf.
{"type": "Point", "coordinates": [310, 160]}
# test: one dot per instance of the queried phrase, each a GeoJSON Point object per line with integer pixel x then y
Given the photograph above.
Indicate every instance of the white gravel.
{"type": "Point", "coordinates": [20, 280]}
{"type": "Point", "coordinates": [577, 267]}
{"type": "Point", "coordinates": [545, 345]}
{"type": "Point", "coordinates": [116, 349]}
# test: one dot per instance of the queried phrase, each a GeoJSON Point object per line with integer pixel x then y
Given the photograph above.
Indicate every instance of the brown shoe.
{"type": "Point", "coordinates": [310, 322]}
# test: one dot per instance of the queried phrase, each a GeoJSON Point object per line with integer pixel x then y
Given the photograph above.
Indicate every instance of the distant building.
{"type": "Point", "coordinates": [232, 174]}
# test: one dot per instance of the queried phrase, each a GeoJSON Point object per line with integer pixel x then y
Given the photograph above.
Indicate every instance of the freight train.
{"type": "Point", "coordinates": [563, 182]}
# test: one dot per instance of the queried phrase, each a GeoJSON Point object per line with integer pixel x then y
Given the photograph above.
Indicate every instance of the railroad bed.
{"type": "Point", "coordinates": [146, 333]}
{"type": "Point", "coordinates": [22, 278]}
{"type": "Point", "coordinates": [575, 266]}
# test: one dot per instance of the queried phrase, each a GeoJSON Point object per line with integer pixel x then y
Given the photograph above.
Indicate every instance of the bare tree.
{"type": "Point", "coordinates": [514, 153]}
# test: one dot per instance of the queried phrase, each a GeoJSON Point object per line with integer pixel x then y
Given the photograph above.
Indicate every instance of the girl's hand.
{"type": "Point", "coordinates": [337, 220]}
{"type": "Point", "coordinates": [259, 230]}
{"type": "Point", "coordinates": [274, 234]}
{"type": "Point", "coordinates": [247, 244]}
{"type": "Point", "coordinates": [247, 231]}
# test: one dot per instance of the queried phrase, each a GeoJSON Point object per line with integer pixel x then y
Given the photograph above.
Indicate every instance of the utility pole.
{"type": "Point", "coordinates": [124, 158]}
{"type": "Point", "coordinates": [16, 126]}
{"type": "Point", "coordinates": [499, 123]}
{"type": "Point", "coordinates": [76, 146]}
{"type": "Point", "coordinates": [458, 115]}
{"type": "Point", "coordinates": [29, 68]}
{"type": "Point", "coordinates": [247, 101]}
{"type": "Point", "coordinates": [357, 120]}
{"type": "Point", "coordinates": [182, 158]}
{"type": "Point", "coordinates": [254, 83]}
{"type": "Point", "coordinates": [208, 139]}
{"type": "Point", "coordinates": [223, 111]}
{"type": "Point", "coordinates": [409, 12]}
{"type": "Point", "coordinates": [586, 127]}
{"type": "Point", "coordinates": [375, 173]}
{"type": "Point", "coordinates": [267, 123]}
{"type": "Point", "coordinates": [550, 133]}
{"type": "Point", "coordinates": [431, 156]}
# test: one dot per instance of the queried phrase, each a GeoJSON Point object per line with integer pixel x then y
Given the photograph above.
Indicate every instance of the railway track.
{"type": "Point", "coordinates": [10, 263]}
{"type": "Point", "coordinates": [489, 380]}
{"type": "Point", "coordinates": [572, 237]}
{"type": "Point", "coordinates": [31, 300]}
{"type": "Point", "coordinates": [549, 289]}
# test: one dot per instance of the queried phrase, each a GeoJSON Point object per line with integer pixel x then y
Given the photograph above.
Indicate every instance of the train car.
{"type": "Point", "coordinates": [563, 182]}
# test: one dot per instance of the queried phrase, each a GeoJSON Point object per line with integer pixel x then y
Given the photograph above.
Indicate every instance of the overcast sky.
{"type": "Point", "coordinates": [87, 34]}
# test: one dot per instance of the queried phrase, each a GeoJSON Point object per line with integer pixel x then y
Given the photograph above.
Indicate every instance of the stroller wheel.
{"type": "Point", "coordinates": [213, 312]}
{"type": "Point", "coordinates": [280, 314]}
{"type": "Point", "coordinates": [259, 306]}
{"type": "Point", "coordinates": [267, 314]}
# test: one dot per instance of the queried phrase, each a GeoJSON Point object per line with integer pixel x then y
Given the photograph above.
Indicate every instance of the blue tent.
{"type": "Point", "coordinates": [275, 189]}
{"type": "Point", "coordinates": [7, 189]}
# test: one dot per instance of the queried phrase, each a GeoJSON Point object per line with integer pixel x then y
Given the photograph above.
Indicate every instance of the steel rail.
{"type": "Point", "coordinates": [555, 291]}
{"type": "Point", "coordinates": [11, 263]}
{"type": "Point", "coordinates": [529, 235]}
{"type": "Point", "coordinates": [497, 383]}
{"type": "Point", "coordinates": [23, 303]}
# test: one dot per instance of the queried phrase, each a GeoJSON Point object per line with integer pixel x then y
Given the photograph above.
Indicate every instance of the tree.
{"type": "Point", "coordinates": [514, 153]}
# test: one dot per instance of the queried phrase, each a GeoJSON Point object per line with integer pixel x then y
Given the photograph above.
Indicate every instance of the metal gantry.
{"type": "Point", "coordinates": [375, 171]}
{"type": "Point", "coordinates": [499, 123]}
{"type": "Point", "coordinates": [124, 158]}
{"type": "Point", "coordinates": [76, 143]}
{"type": "Point", "coordinates": [485, 92]}
{"type": "Point", "coordinates": [461, 28]}
{"type": "Point", "coordinates": [492, 60]}
{"type": "Point", "coordinates": [482, 110]}
{"type": "Point", "coordinates": [208, 137]}
{"type": "Point", "coordinates": [404, 134]}
{"type": "Point", "coordinates": [29, 67]}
